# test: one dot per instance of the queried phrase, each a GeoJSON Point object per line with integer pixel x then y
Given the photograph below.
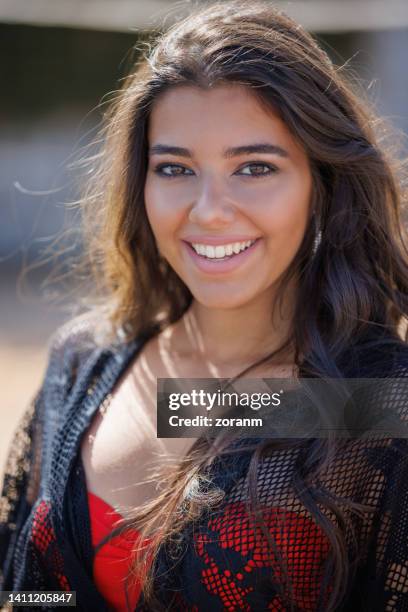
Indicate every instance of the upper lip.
{"type": "Point", "coordinates": [217, 240]}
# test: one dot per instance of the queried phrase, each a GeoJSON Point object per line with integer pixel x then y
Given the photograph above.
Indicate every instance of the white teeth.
{"type": "Point", "coordinates": [221, 251]}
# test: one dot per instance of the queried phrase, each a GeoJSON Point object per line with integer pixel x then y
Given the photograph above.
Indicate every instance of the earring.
{"type": "Point", "coordinates": [318, 235]}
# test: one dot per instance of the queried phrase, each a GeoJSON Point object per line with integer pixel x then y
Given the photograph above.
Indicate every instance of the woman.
{"type": "Point", "coordinates": [244, 222]}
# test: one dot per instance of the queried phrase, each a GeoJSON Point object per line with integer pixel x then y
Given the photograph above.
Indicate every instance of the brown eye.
{"type": "Point", "coordinates": [257, 169]}
{"type": "Point", "coordinates": [166, 170]}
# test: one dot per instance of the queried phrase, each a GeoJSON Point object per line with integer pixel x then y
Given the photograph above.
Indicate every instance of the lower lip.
{"type": "Point", "coordinates": [217, 266]}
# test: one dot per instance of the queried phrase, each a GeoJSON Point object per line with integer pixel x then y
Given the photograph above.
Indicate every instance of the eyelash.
{"type": "Point", "coordinates": [158, 170]}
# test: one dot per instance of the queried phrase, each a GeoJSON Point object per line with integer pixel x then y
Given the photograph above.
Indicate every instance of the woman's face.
{"type": "Point", "coordinates": [227, 179]}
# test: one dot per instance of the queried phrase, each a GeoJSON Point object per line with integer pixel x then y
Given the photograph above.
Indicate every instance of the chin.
{"type": "Point", "coordinates": [220, 301]}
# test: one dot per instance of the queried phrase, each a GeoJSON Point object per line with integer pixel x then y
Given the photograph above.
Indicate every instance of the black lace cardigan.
{"type": "Point", "coordinates": [222, 562]}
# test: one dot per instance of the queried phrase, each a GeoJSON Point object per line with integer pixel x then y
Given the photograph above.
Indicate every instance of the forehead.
{"type": "Point", "coordinates": [188, 113]}
{"type": "Point", "coordinates": [212, 97]}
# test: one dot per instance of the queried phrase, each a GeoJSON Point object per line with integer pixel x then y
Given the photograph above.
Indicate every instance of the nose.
{"type": "Point", "coordinates": [211, 208]}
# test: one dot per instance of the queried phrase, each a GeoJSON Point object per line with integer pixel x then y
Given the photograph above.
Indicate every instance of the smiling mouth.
{"type": "Point", "coordinates": [221, 252]}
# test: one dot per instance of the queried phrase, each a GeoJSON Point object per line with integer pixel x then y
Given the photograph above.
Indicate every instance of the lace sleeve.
{"type": "Point", "coordinates": [20, 485]}
{"type": "Point", "coordinates": [391, 575]}
{"type": "Point", "coordinates": [388, 575]}
{"type": "Point", "coordinates": [29, 450]}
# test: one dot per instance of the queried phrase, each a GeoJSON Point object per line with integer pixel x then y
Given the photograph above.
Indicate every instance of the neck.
{"type": "Point", "coordinates": [233, 337]}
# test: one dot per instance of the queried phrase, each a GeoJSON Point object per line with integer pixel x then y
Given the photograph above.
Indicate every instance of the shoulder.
{"type": "Point", "coordinates": [376, 355]}
{"type": "Point", "coordinates": [81, 333]}
{"type": "Point", "coordinates": [85, 346]}
{"type": "Point", "coordinates": [73, 340]}
{"type": "Point", "coordinates": [71, 347]}
{"type": "Point", "coordinates": [400, 364]}
{"type": "Point", "coordinates": [393, 359]}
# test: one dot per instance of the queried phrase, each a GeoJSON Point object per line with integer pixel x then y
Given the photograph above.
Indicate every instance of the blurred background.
{"type": "Point", "coordinates": [58, 62]}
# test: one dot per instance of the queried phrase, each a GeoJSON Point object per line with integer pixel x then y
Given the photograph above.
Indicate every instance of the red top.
{"type": "Point", "coordinates": [234, 530]}
{"type": "Point", "coordinates": [111, 562]}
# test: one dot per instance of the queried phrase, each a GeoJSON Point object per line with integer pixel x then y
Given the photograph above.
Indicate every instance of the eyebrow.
{"type": "Point", "coordinates": [261, 147]}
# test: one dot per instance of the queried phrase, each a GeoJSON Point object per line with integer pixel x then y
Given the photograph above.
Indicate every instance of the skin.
{"type": "Point", "coordinates": [210, 194]}
{"type": "Point", "coordinates": [229, 324]}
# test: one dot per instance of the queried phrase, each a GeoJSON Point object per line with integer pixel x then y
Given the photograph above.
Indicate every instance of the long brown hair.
{"type": "Point", "coordinates": [352, 266]}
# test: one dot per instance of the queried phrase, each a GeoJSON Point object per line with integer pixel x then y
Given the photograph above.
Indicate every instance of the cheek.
{"type": "Point", "coordinates": [281, 208]}
{"type": "Point", "coordinates": [163, 209]}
